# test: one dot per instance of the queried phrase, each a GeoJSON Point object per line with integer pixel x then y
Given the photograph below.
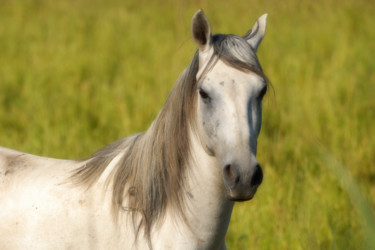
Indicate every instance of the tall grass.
{"type": "Point", "coordinates": [76, 75]}
{"type": "Point", "coordinates": [355, 194]}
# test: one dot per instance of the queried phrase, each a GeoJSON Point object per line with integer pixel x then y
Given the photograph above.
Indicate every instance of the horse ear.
{"type": "Point", "coordinates": [201, 30]}
{"type": "Point", "coordinates": [256, 34]}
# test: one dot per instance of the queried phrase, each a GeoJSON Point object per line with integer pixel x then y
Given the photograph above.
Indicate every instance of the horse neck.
{"type": "Point", "coordinates": [209, 209]}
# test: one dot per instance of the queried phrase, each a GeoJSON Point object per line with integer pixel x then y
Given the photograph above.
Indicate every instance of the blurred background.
{"type": "Point", "coordinates": [77, 75]}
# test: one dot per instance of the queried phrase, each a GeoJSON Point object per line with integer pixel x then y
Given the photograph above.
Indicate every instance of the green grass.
{"type": "Point", "coordinates": [76, 75]}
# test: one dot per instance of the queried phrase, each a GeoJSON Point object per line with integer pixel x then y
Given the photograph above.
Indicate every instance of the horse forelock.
{"type": "Point", "coordinates": [237, 52]}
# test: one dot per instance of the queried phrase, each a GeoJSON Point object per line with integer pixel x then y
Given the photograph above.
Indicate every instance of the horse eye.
{"type": "Point", "coordinates": [203, 94]}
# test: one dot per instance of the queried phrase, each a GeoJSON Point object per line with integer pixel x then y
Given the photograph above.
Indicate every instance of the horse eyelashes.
{"type": "Point", "coordinates": [205, 96]}
{"type": "Point", "coordinates": [262, 93]}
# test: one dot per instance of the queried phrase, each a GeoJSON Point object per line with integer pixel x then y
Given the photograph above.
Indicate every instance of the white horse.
{"type": "Point", "coordinates": [172, 187]}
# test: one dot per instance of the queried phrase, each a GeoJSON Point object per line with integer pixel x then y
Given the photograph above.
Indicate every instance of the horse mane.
{"type": "Point", "coordinates": [150, 175]}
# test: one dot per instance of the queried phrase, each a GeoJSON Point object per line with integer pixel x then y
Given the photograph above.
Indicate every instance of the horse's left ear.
{"type": "Point", "coordinates": [201, 30]}
{"type": "Point", "coordinates": [256, 34]}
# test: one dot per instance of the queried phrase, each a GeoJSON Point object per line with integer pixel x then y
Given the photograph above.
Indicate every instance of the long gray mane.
{"type": "Point", "coordinates": [151, 173]}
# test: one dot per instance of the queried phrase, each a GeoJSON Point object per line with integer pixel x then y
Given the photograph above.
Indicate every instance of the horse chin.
{"type": "Point", "coordinates": [240, 198]}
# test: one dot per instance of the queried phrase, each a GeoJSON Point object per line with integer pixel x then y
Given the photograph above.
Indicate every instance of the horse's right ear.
{"type": "Point", "coordinates": [201, 30]}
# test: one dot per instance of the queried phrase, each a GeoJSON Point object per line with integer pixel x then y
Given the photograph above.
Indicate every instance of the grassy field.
{"type": "Point", "coordinates": [76, 75]}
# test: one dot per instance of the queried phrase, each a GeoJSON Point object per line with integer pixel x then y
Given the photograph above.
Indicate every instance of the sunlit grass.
{"type": "Point", "coordinates": [357, 198]}
{"type": "Point", "coordinates": [77, 75]}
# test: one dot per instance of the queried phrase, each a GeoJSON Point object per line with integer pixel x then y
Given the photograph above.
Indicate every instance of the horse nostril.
{"type": "Point", "coordinates": [228, 171]}
{"type": "Point", "coordinates": [257, 178]}
{"type": "Point", "coordinates": [231, 175]}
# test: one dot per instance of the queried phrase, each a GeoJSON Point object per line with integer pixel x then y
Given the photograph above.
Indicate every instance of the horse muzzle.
{"type": "Point", "coordinates": [242, 186]}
